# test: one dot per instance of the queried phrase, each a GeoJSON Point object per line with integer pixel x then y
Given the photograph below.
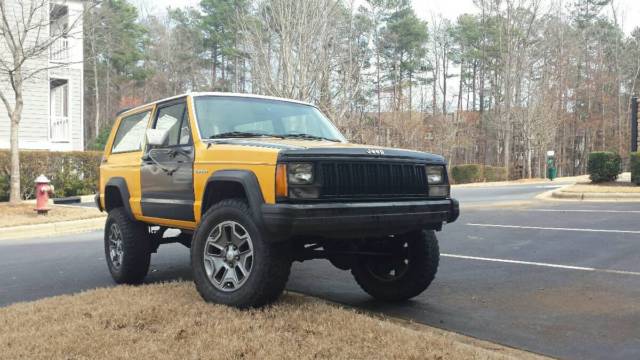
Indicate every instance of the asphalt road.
{"type": "Point", "coordinates": [502, 193]}
{"type": "Point", "coordinates": [557, 279]}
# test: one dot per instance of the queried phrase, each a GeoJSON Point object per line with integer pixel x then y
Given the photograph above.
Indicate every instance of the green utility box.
{"type": "Point", "coordinates": [552, 171]}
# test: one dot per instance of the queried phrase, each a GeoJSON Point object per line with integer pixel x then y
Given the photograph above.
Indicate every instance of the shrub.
{"type": "Point", "coordinates": [494, 173]}
{"type": "Point", "coordinates": [99, 142]}
{"type": "Point", "coordinates": [463, 174]}
{"type": "Point", "coordinates": [4, 188]}
{"type": "Point", "coordinates": [71, 173]}
{"type": "Point", "coordinates": [603, 166]}
{"type": "Point", "coordinates": [634, 167]}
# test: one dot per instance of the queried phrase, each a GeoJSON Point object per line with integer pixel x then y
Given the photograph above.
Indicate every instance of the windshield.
{"type": "Point", "coordinates": [227, 117]}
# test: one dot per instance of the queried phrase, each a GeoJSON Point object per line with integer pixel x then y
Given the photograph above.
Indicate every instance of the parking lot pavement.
{"type": "Point", "coordinates": [558, 279]}
{"type": "Point", "coordinates": [562, 280]}
{"type": "Point", "coordinates": [503, 193]}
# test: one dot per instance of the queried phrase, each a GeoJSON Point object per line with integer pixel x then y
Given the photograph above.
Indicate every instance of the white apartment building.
{"type": "Point", "coordinates": [52, 118]}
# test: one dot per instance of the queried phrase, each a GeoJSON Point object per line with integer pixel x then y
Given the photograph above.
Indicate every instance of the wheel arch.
{"type": "Point", "coordinates": [227, 184]}
{"type": "Point", "coordinates": [116, 194]}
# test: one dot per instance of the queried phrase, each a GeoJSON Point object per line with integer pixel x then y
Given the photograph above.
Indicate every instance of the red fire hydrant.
{"type": "Point", "coordinates": [43, 190]}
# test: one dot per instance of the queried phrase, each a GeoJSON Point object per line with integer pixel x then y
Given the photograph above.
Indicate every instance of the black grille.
{"type": "Point", "coordinates": [371, 179]}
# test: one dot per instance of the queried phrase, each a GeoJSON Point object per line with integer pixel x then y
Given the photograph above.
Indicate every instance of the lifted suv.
{"type": "Point", "coordinates": [253, 183]}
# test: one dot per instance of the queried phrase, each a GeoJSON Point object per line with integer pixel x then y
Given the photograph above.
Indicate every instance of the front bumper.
{"type": "Point", "coordinates": [357, 219]}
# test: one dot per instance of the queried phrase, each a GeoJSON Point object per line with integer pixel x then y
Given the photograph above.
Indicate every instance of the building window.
{"type": "Point", "coordinates": [59, 28]}
{"type": "Point", "coordinates": [59, 111]}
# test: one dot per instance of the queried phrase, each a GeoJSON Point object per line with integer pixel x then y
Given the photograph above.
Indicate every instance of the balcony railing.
{"type": "Point", "coordinates": [59, 128]}
{"type": "Point", "coordinates": [59, 50]}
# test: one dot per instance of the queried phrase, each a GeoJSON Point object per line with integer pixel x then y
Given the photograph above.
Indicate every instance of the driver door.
{"type": "Point", "coordinates": [167, 170]}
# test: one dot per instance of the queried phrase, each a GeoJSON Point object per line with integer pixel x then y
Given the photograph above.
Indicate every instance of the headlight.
{"type": "Point", "coordinates": [435, 175]}
{"type": "Point", "coordinates": [300, 174]}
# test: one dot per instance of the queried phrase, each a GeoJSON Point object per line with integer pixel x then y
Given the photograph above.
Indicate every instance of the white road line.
{"type": "Point", "coordinates": [531, 263]}
{"type": "Point", "coordinates": [586, 211]}
{"type": "Point", "coordinates": [554, 228]}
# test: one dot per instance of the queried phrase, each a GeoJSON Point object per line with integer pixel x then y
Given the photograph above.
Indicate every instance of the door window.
{"type": "Point", "coordinates": [174, 119]}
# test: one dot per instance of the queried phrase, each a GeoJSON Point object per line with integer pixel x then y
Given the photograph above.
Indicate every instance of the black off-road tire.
{"type": "Point", "coordinates": [423, 255]}
{"type": "Point", "coordinates": [135, 247]}
{"type": "Point", "coordinates": [270, 266]}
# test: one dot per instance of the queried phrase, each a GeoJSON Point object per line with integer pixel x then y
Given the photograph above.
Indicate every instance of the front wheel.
{"type": "Point", "coordinates": [405, 273]}
{"type": "Point", "coordinates": [234, 263]}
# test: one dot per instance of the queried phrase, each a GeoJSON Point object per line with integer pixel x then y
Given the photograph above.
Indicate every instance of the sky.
{"type": "Point", "coordinates": [628, 10]}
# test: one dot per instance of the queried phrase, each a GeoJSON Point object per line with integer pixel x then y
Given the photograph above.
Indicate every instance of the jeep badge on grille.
{"type": "Point", "coordinates": [375, 151]}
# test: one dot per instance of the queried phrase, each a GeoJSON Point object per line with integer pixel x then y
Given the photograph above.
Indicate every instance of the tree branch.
{"type": "Point", "coordinates": [6, 103]}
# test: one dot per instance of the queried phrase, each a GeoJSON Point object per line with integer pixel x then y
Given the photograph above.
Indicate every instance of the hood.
{"type": "Point", "coordinates": [308, 149]}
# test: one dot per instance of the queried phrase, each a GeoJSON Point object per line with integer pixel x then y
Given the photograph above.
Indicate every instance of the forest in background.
{"type": "Point", "coordinates": [497, 87]}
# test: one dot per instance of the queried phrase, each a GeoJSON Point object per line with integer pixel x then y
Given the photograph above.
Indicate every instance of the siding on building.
{"type": "Point", "coordinates": [35, 124]}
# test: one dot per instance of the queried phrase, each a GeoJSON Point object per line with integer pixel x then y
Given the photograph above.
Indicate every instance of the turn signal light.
{"type": "Point", "coordinates": [281, 181]}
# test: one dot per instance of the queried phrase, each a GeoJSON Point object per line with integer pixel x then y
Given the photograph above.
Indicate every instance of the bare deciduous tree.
{"type": "Point", "coordinates": [25, 40]}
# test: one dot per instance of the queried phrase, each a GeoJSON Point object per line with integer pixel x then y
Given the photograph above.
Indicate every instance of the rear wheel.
{"type": "Point", "coordinates": [406, 273]}
{"type": "Point", "coordinates": [126, 247]}
{"type": "Point", "coordinates": [232, 261]}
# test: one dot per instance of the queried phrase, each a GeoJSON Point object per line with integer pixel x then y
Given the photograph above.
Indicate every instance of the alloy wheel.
{"type": "Point", "coordinates": [228, 256]}
{"type": "Point", "coordinates": [116, 252]}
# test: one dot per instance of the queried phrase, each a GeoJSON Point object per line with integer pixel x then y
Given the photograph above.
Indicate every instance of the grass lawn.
{"type": "Point", "coordinates": [522, 182]}
{"type": "Point", "coordinates": [609, 187]}
{"type": "Point", "coordinates": [23, 214]}
{"type": "Point", "coordinates": [170, 321]}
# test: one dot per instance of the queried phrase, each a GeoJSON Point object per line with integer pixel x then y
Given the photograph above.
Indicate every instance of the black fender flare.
{"type": "Point", "coordinates": [249, 182]}
{"type": "Point", "coordinates": [121, 184]}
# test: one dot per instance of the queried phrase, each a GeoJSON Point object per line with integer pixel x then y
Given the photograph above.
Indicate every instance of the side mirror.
{"type": "Point", "coordinates": [157, 137]}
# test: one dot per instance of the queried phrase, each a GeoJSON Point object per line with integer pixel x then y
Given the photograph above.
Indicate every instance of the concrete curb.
{"type": "Point", "coordinates": [83, 199]}
{"type": "Point", "coordinates": [52, 229]}
{"type": "Point", "coordinates": [584, 196]}
{"type": "Point", "coordinates": [87, 198]}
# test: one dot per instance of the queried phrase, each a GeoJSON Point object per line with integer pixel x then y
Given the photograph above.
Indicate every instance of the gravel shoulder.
{"type": "Point", "coordinates": [170, 321]}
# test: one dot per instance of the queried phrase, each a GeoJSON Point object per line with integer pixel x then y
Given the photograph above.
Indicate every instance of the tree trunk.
{"type": "Point", "coordinates": [378, 85]}
{"type": "Point", "coordinates": [96, 95]}
{"type": "Point", "coordinates": [15, 195]}
{"type": "Point", "coordinates": [444, 84]}
{"type": "Point", "coordinates": [214, 69]}
{"type": "Point", "coordinates": [529, 160]}
{"type": "Point", "coordinates": [108, 89]}
{"type": "Point", "coordinates": [475, 66]}
{"type": "Point", "coordinates": [410, 94]}
{"type": "Point", "coordinates": [460, 89]}
{"type": "Point", "coordinates": [434, 98]}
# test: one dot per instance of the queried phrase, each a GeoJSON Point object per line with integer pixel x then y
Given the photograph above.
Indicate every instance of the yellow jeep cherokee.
{"type": "Point", "coordinates": [254, 183]}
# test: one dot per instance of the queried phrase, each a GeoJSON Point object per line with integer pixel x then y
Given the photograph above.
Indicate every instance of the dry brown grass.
{"type": "Point", "coordinates": [23, 214]}
{"type": "Point", "coordinates": [170, 321]}
{"type": "Point", "coordinates": [610, 187]}
{"type": "Point", "coordinates": [523, 182]}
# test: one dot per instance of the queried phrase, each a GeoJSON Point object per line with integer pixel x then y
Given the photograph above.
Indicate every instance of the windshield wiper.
{"type": "Point", "coordinates": [241, 134]}
{"type": "Point", "coordinates": [307, 136]}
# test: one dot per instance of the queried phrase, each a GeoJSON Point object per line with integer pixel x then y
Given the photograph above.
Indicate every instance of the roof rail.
{"type": "Point", "coordinates": [123, 110]}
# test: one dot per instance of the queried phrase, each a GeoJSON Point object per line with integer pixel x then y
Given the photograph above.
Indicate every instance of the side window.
{"type": "Point", "coordinates": [130, 134]}
{"type": "Point", "coordinates": [174, 118]}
